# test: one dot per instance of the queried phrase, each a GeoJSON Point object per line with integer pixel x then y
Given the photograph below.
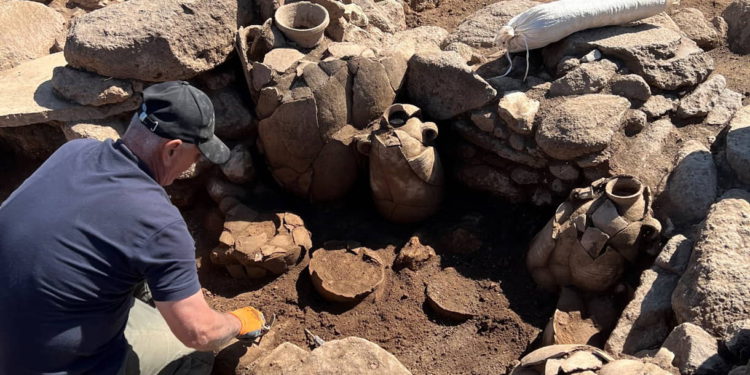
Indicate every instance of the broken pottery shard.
{"type": "Point", "coordinates": [282, 59]}
{"type": "Point", "coordinates": [27, 96]}
{"type": "Point", "coordinates": [346, 275]}
{"type": "Point", "coordinates": [414, 254]}
{"type": "Point", "coordinates": [453, 296]}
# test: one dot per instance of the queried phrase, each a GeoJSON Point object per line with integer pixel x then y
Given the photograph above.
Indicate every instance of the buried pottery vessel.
{"type": "Point", "coordinates": [255, 245]}
{"type": "Point", "coordinates": [594, 235]}
{"type": "Point", "coordinates": [406, 176]}
{"type": "Point", "coordinates": [304, 22]}
{"type": "Point", "coordinates": [346, 275]}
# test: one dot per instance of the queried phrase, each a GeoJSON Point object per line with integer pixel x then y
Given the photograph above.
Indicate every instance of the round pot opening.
{"type": "Point", "coordinates": [624, 188]}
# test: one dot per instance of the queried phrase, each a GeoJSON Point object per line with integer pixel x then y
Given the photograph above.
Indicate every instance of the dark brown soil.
{"type": "Point", "coordinates": [510, 313]}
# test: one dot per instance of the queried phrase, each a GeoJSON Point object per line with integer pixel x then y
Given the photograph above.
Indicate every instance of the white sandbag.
{"type": "Point", "coordinates": [547, 23]}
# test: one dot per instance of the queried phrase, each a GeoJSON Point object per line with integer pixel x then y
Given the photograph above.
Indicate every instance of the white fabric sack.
{"type": "Point", "coordinates": [547, 23]}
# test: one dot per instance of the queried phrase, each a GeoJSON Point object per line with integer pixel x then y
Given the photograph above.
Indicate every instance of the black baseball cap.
{"type": "Point", "coordinates": [177, 110]}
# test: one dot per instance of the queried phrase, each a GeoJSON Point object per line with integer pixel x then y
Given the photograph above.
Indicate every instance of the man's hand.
{"type": "Point", "coordinates": [253, 323]}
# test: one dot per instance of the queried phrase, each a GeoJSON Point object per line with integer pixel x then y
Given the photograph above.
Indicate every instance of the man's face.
{"type": "Point", "coordinates": [177, 157]}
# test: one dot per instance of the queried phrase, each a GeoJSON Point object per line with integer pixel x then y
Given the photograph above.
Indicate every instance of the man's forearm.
{"type": "Point", "coordinates": [225, 328]}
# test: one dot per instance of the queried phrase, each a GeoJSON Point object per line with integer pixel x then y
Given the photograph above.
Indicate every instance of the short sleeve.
{"type": "Point", "coordinates": [167, 260]}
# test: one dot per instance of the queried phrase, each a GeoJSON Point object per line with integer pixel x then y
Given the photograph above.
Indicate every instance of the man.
{"type": "Point", "coordinates": [91, 224]}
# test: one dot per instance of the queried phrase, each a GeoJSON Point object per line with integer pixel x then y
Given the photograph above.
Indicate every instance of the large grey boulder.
{"type": "Point", "coordinates": [737, 15]}
{"type": "Point", "coordinates": [738, 144]}
{"type": "Point", "coordinates": [693, 184]}
{"type": "Point", "coordinates": [693, 23]}
{"type": "Point", "coordinates": [647, 319]}
{"type": "Point", "coordinates": [444, 86]}
{"type": "Point", "coordinates": [154, 40]}
{"type": "Point", "coordinates": [700, 102]}
{"type": "Point", "coordinates": [726, 105]}
{"type": "Point", "coordinates": [665, 58]}
{"type": "Point", "coordinates": [575, 126]}
{"type": "Point", "coordinates": [587, 78]}
{"type": "Point", "coordinates": [715, 290]}
{"type": "Point", "coordinates": [695, 351]}
{"type": "Point", "coordinates": [629, 155]}
{"type": "Point", "coordinates": [351, 355]}
{"type": "Point", "coordinates": [481, 28]}
{"type": "Point", "coordinates": [27, 30]}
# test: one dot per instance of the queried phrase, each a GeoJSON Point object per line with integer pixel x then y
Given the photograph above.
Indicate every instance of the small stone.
{"type": "Point", "coordinates": [517, 142]}
{"type": "Point", "coordinates": [541, 197]}
{"type": "Point", "coordinates": [484, 119]}
{"type": "Point", "coordinates": [518, 111]}
{"type": "Point", "coordinates": [239, 169]}
{"type": "Point", "coordinates": [94, 129]}
{"type": "Point", "coordinates": [524, 176]}
{"type": "Point", "coordinates": [693, 23]}
{"type": "Point", "coordinates": [564, 171]}
{"type": "Point", "coordinates": [567, 63]}
{"type": "Point", "coordinates": [693, 184]}
{"type": "Point", "coordinates": [631, 86]}
{"type": "Point", "coordinates": [467, 53]}
{"type": "Point", "coordinates": [700, 102]}
{"type": "Point", "coordinates": [90, 89]}
{"type": "Point", "coordinates": [696, 351]}
{"type": "Point", "coordinates": [658, 105]}
{"type": "Point", "coordinates": [675, 255]}
{"type": "Point", "coordinates": [506, 84]}
{"type": "Point", "coordinates": [586, 79]}
{"type": "Point", "coordinates": [634, 122]}
{"type": "Point", "coordinates": [726, 105]}
{"type": "Point", "coordinates": [738, 144]}
{"type": "Point", "coordinates": [594, 55]}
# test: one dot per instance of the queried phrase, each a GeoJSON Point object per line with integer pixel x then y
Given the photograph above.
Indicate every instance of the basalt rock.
{"type": "Point", "coordinates": [737, 15]}
{"type": "Point", "coordinates": [157, 49]}
{"type": "Point", "coordinates": [28, 30]}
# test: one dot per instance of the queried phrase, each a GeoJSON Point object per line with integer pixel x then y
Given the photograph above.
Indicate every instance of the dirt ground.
{"type": "Point", "coordinates": [512, 312]}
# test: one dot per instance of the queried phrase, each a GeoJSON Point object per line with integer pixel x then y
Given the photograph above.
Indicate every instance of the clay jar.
{"type": "Point", "coordinates": [406, 176]}
{"type": "Point", "coordinates": [627, 194]}
{"type": "Point", "coordinates": [593, 236]}
{"type": "Point", "coordinates": [302, 22]}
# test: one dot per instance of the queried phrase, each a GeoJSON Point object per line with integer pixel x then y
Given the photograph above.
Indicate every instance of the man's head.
{"type": "Point", "coordinates": [172, 129]}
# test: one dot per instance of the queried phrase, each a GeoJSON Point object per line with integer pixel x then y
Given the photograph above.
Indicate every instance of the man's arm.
{"type": "Point", "coordinates": [197, 325]}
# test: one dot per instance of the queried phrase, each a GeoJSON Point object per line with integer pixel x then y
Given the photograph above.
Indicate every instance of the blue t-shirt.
{"type": "Point", "coordinates": [75, 239]}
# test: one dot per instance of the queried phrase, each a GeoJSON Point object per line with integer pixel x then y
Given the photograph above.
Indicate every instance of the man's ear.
{"type": "Point", "coordinates": [168, 150]}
